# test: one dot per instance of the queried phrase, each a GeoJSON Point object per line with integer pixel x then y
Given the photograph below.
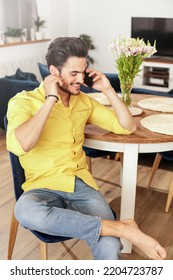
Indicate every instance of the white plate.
{"type": "Point", "coordinates": [100, 97]}
{"type": "Point", "coordinates": [135, 111]}
{"type": "Point", "coordinates": [164, 104]}
{"type": "Point", "coordinates": [161, 123]}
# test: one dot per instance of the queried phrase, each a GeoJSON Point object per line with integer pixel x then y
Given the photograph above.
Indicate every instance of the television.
{"type": "Point", "coordinates": [159, 29]}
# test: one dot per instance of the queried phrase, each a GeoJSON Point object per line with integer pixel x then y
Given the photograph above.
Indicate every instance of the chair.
{"type": "Point", "coordinates": [18, 180]}
{"type": "Point", "coordinates": [10, 85]}
{"type": "Point", "coordinates": [94, 153]}
{"type": "Point", "coordinates": [159, 156]}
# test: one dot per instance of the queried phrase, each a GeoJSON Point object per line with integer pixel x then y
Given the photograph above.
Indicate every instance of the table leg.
{"type": "Point", "coordinates": [128, 195]}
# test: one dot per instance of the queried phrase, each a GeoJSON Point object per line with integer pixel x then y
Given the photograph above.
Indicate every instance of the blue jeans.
{"type": "Point", "coordinates": [77, 215]}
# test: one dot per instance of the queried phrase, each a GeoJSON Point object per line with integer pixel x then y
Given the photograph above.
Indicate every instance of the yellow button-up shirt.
{"type": "Point", "coordinates": [58, 156]}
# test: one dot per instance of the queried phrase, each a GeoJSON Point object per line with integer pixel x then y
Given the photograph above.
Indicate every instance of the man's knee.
{"type": "Point", "coordinates": [25, 210]}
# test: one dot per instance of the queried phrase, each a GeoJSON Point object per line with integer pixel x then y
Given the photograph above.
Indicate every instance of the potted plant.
{"type": "Point", "coordinates": [38, 24]}
{"type": "Point", "coordinates": [13, 35]}
{"type": "Point", "coordinates": [87, 39]}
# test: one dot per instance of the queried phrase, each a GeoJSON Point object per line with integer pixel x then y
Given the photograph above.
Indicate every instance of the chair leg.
{"type": "Point", "coordinates": [170, 196]}
{"type": "Point", "coordinates": [43, 250]}
{"type": "Point", "coordinates": [119, 156]}
{"type": "Point", "coordinates": [154, 168]}
{"type": "Point", "coordinates": [74, 257]}
{"type": "Point", "coordinates": [88, 160]}
{"type": "Point", "coordinates": [12, 236]}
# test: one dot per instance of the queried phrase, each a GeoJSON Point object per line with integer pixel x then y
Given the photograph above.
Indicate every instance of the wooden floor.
{"type": "Point", "coordinates": [149, 212]}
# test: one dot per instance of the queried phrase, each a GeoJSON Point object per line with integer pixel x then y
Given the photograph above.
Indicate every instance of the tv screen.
{"type": "Point", "coordinates": [159, 29]}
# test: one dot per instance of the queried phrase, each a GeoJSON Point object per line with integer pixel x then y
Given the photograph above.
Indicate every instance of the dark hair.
{"type": "Point", "coordinates": [64, 47]}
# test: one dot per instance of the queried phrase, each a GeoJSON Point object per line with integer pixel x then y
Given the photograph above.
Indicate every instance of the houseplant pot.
{"type": "Point", "coordinates": [13, 35]}
{"type": "Point", "coordinates": [11, 39]}
{"type": "Point", "coordinates": [38, 24]}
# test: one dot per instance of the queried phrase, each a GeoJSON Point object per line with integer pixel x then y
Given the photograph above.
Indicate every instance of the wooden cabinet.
{"type": "Point", "coordinates": [156, 74]}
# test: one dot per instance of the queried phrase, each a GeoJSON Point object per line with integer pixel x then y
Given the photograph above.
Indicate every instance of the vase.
{"type": "Point", "coordinates": [11, 39]}
{"type": "Point", "coordinates": [38, 35]}
{"type": "Point", "coordinates": [126, 88]}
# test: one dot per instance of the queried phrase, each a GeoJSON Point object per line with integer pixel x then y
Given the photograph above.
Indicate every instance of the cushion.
{"type": "Point", "coordinates": [170, 92]}
{"type": "Point", "coordinates": [114, 80]}
{"type": "Point", "coordinates": [44, 71]}
{"type": "Point", "coordinates": [8, 88]}
{"type": "Point", "coordinates": [19, 75]}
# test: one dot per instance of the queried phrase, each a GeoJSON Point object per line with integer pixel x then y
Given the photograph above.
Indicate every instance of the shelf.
{"type": "Point", "coordinates": [157, 76]}
{"type": "Point", "coordinates": [23, 43]}
{"type": "Point", "coordinates": [160, 60]}
{"type": "Point", "coordinates": [156, 85]}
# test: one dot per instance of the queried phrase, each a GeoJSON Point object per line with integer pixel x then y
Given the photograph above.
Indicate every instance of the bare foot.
{"type": "Point", "coordinates": [149, 246]}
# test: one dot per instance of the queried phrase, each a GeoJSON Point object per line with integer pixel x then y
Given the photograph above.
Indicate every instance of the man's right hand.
{"type": "Point", "coordinates": [50, 84]}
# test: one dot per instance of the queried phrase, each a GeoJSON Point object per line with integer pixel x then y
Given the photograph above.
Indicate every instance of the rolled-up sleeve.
{"type": "Point", "coordinates": [17, 113]}
{"type": "Point", "coordinates": [106, 118]}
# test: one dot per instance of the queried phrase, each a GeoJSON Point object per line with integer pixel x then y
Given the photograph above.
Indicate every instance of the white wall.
{"type": "Point", "coordinates": [1, 15]}
{"type": "Point", "coordinates": [104, 20]}
{"type": "Point", "coordinates": [55, 12]}
{"type": "Point", "coordinates": [24, 57]}
{"type": "Point", "coordinates": [59, 18]}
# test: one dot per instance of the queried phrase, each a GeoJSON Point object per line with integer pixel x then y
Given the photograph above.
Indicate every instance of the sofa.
{"type": "Point", "coordinates": [10, 85]}
{"type": "Point", "coordinates": [153, 92]}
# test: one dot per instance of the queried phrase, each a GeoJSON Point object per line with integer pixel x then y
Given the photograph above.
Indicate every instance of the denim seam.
{"type": "Point", "coordinates": [98, 230]}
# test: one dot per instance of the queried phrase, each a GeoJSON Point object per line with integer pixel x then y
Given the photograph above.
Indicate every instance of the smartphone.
{"type": "Point", "coordinates": [88, 80]}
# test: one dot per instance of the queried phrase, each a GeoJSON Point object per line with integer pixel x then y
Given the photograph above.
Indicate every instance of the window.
{"type": "Point", "coordinates": [17, 14]}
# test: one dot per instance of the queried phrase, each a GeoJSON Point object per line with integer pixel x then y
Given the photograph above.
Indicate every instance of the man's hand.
{"type": "Point", "coordinates": [101, 82]}
{"type": "Point", "coordinates": [50, 84]}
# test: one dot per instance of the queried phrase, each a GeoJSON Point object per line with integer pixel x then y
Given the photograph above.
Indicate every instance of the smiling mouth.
{"type": "Point", "coordinates": [76, 86]}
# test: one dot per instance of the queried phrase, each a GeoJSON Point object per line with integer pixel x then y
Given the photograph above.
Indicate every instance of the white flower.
{"type": "Point", "coordinates": [131, 47]}
{"type": "Point", "coordinates": [129, 54]}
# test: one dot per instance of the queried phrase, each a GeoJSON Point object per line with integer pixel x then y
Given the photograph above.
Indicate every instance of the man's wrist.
{"type": "Point", "coordinates": [108, 90]}
{"type": "Point", "coordinates": [52, 96]}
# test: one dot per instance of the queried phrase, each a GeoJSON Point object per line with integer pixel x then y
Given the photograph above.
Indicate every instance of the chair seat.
{"type": "Point", "coordinates": [93, 153]}
{"type": "Point", "coordinates": [49, 238]}
{"type": "Point", "coordinates": [167, 155]}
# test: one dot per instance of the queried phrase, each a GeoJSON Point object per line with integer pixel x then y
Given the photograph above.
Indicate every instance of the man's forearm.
{"type": "Point", "coordinates": [123, 114]}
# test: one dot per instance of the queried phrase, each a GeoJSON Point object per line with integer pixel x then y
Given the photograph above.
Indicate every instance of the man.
{"type": "Point", "coordinates": [46, 131]}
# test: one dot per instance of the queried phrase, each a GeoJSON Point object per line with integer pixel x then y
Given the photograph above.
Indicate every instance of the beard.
{"type": "Point", "coordinates": [65, 89]}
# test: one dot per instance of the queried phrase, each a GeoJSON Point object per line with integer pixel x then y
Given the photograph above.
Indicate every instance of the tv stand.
{"type": "Point", "coordinates": [156, 74]}
{"type": "Point", "coordinates": [157, 58]}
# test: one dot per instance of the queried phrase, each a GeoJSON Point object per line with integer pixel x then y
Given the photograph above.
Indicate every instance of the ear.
{"type": "Point", "coordinates": [53, 70]}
